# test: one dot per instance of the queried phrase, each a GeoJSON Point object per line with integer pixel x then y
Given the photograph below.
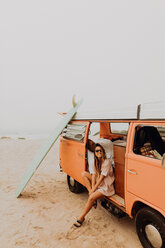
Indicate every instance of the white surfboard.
{"type": "Point", "coordinates": [47, 146]}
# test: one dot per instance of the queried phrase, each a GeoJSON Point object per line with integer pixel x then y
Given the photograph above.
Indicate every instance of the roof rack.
{"type": "Point", "coordinates": [145, 111]}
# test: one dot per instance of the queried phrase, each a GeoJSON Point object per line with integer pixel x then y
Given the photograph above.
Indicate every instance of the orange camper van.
{"type": "Point", "coordinates": [138, 141]}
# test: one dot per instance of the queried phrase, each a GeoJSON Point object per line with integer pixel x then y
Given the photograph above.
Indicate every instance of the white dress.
{"type": "Point", "coordinates": [106, 187]}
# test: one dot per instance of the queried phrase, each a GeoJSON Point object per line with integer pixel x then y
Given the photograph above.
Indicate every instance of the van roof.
{"type": "Point", "coordinates": [145, 111]}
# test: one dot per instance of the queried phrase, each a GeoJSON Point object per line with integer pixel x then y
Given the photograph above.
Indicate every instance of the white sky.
{"type": "Point", "coordinates": [111, 53]}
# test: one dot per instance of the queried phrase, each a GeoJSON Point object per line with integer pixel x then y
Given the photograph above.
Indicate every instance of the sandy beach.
{"type": "Point", "coordinates": [43, 216]}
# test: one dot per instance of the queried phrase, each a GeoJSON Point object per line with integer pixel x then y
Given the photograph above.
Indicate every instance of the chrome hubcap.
{"type": "Point", "coordinates": [71, 181]}
{"type": "Point", "coordinates": [153, 236]}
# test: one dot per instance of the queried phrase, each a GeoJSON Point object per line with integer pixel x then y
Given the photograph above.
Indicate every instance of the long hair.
{"type": "Point", "coordinates": [98, 163]}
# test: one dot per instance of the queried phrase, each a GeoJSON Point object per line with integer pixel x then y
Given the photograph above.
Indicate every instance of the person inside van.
{"type": "Point", "coordinates": [149, 142]}
{"type": "Point", "coordinates": [100, 183]}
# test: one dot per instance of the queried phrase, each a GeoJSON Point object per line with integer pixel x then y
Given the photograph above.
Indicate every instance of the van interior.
{"type": "Point", "coordinates": [117, 133]}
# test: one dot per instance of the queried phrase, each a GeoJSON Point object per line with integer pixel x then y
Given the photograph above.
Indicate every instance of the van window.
{"type": "Point", "coordinates": [149, 141]}
{"type": "Point", "coordinates": [74, 131]}
{"type": "Point", "coordinates": [94, 131]}
{"type": "Point", "coordinates": [161, 130]}
{"type": "Point", "coordinates": [94, 128]}
{"type": "Point", "coordinates": [119, 128]}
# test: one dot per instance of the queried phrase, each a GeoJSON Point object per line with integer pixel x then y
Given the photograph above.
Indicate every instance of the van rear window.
{"type": "Point", "coordinates": [119, 128]}
{"type": "Point", "coordinates": [75, 132]}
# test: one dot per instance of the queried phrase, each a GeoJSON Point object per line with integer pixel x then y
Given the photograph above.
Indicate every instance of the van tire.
{"type": "Point", "coordinates": [74, 186]}
{"type": "Point", "coordinates": [151, 219]}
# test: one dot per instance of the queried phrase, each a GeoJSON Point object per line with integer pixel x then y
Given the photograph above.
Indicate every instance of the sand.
{"type": "Point", "coordinates": [43, 216]}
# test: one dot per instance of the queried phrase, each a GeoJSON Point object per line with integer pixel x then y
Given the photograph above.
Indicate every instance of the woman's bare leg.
{"type": "Point", "coordinates": [93, 197]}
{"type": "Point", "coordinates": [87, 179]}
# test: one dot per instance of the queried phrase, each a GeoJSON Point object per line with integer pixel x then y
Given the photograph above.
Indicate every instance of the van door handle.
{"type": "Point", "coordinates": [79, 154]}
{"type": "Point", "coordinates": [132, 172]}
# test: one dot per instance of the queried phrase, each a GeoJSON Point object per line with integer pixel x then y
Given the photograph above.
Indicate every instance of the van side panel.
{"type": "Point", "coordinates": [72, 158]}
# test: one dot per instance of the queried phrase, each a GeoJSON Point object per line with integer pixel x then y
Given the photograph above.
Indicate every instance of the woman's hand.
{"type": "Point", "coordinates": [91, 191]}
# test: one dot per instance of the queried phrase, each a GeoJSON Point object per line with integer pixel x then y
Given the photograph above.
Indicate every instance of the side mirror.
{"type": "Point", "coordinates": [163, 160]}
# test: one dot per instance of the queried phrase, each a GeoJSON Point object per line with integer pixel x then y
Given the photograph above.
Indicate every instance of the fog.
{"type": "Point", "coordinates": [110, 53]}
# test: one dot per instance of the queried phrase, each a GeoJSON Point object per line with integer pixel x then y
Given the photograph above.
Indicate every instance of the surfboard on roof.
{"type": "Point", "coordinates": [152, 110]}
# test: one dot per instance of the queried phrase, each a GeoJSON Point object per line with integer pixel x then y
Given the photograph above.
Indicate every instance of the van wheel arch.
{"type": "Point", "coordinates": [139, 205]}
{"type": "Point", "coordinates": [136, 207]}
{"type": "Point", "coordinates": [74, 186]}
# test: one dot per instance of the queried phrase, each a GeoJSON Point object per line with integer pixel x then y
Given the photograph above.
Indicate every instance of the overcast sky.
{"type": "Point", "coordinates": [111, 53]}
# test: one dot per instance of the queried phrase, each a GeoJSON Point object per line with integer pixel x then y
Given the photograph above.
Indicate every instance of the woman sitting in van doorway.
{"type": "Point", "coordinates": [100, 183]}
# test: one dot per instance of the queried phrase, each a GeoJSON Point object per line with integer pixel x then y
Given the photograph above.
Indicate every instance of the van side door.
{"type": "Point", "coordinates": [73, 149]}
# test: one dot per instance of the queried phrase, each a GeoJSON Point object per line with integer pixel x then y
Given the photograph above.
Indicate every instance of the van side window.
{"type": "Point", "coordinates": [119, 128]}
{"type": "Point", "coordinates": [74, 131]}
{"type": "Point", "coordinates": [94, 132]}
{"type": "Point", "coordinates": [149, 141]}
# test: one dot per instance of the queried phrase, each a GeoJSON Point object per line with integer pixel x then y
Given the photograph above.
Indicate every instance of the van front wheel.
{"type": "Point", "coordinates": [150, 227]}
{"type": "Point", "coordinates": [74, 186]}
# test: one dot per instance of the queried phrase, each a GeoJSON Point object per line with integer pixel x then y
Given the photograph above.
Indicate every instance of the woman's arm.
{"type": "Point", "coordinates": [98, 183]}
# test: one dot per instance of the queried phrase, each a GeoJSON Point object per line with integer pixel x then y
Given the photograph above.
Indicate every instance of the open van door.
{"type": "Point", "coordinates": [73, 151]}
